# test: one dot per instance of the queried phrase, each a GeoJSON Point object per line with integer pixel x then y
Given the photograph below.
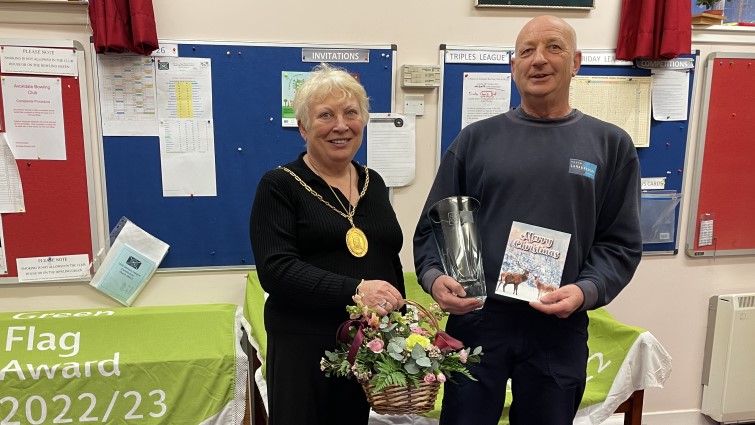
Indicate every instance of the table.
{"type": "Point", "coordinates": [137, 366]}
{"type": "Point", "coordinates": [624, 361]}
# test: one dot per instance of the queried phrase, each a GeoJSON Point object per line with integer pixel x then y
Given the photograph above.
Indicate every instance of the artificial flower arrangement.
{"type": "Point", "coordinates": [397, 351]}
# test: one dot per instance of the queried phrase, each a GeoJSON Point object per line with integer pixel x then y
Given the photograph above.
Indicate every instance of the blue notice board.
{"type": "Point", "coordinates": [664, 158]}
{"type": "Point", "coordinates": [213, 231]}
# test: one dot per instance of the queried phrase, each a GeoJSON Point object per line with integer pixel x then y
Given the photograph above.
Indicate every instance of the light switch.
{"type": "Point", "coordinates": [414, 104]}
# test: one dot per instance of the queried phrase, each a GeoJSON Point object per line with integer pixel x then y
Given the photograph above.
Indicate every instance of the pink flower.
{"type": "Point", "coordinates": [376, 345]}
{"type": "Point", "coordinates": [418, 330]}
{"type": "Point", "coordinates": [441, 377]}
{"type": "Point", "coordinates": [463, 356]}
{"type": "Point", "coordinates": [430, 377]}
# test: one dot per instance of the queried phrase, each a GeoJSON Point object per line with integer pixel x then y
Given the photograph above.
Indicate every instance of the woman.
{"type": "Point", "coordinates": [322, 229]}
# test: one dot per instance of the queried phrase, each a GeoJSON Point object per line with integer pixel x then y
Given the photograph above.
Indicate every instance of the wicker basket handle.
{"type": "Point", "coordinates": [443, 340]}
{"type": "Point", "coordinates": [433, 320]}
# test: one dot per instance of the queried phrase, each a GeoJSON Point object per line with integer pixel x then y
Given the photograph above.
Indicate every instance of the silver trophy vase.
{"type": "Point", "coordinates": [458, 240]}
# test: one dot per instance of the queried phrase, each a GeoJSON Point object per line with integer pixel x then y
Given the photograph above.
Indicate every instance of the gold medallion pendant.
{"type": "Point", "coordinates": [356, 241]}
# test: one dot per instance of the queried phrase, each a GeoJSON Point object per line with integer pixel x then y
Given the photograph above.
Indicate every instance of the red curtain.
{"type": "Point", "coordinates": [123, 25]}
{"type": "Point", "coordinates": [656, 29]}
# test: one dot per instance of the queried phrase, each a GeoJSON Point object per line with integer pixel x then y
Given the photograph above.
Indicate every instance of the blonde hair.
{"type": "Point", "coordinates": [325, 81]}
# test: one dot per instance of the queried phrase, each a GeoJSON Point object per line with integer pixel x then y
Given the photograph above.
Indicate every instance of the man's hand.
{"type": "Point", "coordinates": [562, 302]}
{"type": "Point", "coordinates": [448, 294]}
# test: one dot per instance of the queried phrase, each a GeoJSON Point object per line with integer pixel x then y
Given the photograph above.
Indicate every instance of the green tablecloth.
{"type": "Point", "coordinates": [623, 358]}
{"type": "Point", "coordinates": [137, 366]}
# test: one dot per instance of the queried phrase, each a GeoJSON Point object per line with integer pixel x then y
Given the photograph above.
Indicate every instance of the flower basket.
{"type": "Point", "coordinates": [399, 359]}
{"type": "Point", "coordinates": [396, 400]}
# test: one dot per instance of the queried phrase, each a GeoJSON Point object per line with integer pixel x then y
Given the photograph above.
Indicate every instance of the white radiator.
{"type": "Point", "coordinates": [729, 366]}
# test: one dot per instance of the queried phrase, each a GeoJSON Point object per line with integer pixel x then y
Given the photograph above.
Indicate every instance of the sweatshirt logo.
{"type": "Point", "coordinates": [582, 168]}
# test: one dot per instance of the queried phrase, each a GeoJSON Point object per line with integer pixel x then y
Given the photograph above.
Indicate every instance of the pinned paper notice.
{"type": "Point", "coordinates": [391, 147]}
{"type": "Point", "coordinates": [34, 123]}
{"type": "Point", "coordinates": [670, 94]}
{"type": "Point", "coordinates": [484, 94]}
{"type": "Point", "coordinates": [53, 268]}
{"type": "Point", "coordinates": [3, 261]}
{"type": "Point", "coordinates": [706, 231]}
{"type": "Point", "coordinates": [11, 190]}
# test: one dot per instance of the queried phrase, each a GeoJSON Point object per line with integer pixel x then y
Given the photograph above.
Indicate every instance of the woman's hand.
{"type": "Point", "coordinates": [380, 295]}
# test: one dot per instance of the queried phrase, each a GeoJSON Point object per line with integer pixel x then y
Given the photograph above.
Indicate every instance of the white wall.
{"type": "Point", "coordinates": [668, 295]}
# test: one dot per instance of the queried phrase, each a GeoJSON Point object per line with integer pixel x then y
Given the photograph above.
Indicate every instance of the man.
{"type": "Point", "coordinates": [528, 165]}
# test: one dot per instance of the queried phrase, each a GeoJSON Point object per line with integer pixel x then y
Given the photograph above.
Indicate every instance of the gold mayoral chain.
{"type": "Point", "coordinates": [356, 240]}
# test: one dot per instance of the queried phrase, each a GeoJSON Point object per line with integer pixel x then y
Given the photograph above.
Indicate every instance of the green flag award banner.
{"type": "Point", "coordinates": [133, 366]}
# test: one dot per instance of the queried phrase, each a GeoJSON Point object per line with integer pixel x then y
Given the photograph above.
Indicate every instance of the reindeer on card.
{"type": "Point", "coordinates": [543, 288]}
{"type": "Point", "coordinates": [516, 279]}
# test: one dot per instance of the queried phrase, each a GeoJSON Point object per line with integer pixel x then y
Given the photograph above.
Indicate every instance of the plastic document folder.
{"type": "Point", "coordinates": [657, 217]}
